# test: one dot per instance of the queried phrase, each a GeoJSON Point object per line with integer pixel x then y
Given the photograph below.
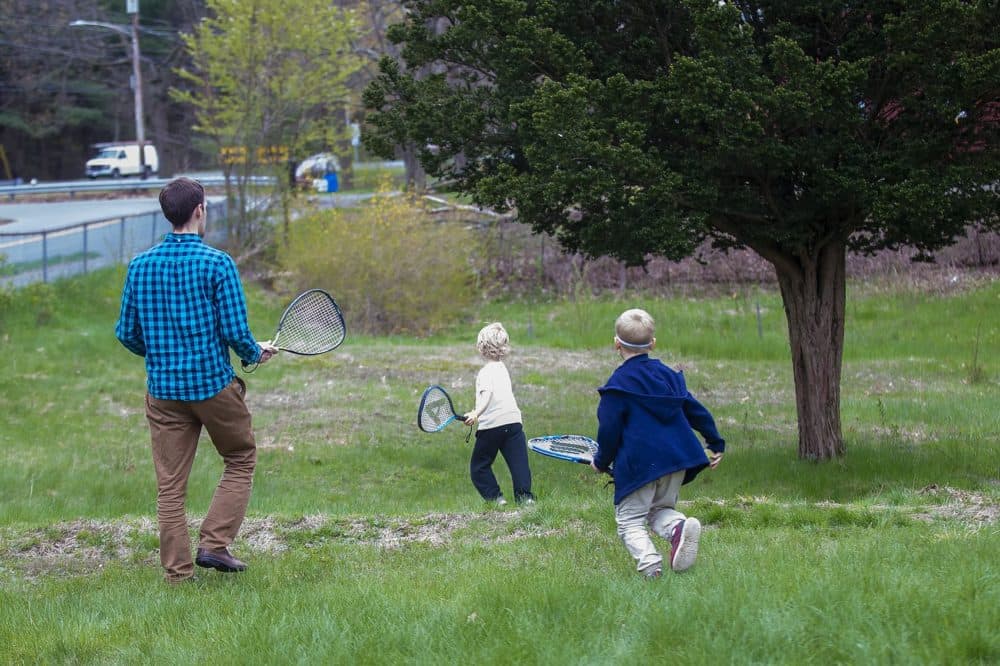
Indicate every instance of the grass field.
{"type": "Point", "coordinates": [368, 545]}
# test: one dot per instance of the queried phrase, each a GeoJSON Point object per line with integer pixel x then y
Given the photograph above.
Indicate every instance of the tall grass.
{"type": "Point", "coordinates": [367, 543]}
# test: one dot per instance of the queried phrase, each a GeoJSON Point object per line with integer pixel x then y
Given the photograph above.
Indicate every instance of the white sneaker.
{"type": "Point", "coordinates": [684, 544]}
{"type": "Point", "coordinates": [501, 501]}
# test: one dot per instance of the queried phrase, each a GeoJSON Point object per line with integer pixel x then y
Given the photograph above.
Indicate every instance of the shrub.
{"type": "Point", "coordinates": [392, 266]}
{"type": "Point", "coordinates": [518, 262]}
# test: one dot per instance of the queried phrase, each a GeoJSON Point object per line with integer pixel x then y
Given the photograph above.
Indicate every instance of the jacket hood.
{"type": "Point", "coordinates": [648, 380]}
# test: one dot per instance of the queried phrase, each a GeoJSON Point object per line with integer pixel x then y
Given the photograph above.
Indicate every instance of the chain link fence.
{"type": "Point", "coordinates": [43, 256]}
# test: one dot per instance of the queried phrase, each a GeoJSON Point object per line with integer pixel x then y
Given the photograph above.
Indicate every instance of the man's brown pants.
{"type": "Point", "coordinates": [175, 427]}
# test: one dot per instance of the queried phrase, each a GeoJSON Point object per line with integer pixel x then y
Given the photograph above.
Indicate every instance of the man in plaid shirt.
{"type": "Point", "coordinates": [183, 309]}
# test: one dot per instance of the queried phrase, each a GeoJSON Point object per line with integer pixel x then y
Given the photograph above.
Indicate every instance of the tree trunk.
{"type": "Point", "coordinates": [416, 177]}
{"type": "Point", "coordinates": [813, 292]}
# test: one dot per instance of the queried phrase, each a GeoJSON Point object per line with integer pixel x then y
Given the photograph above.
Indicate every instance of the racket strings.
{"type": "Point", "coordinates": [569, 447]}
{"type": "Point", "coordinates": [577, 448]}
{"type": "Point", "coordinates": [435, 409]}
{"type": "Point", "coordinates": [570, 444]}
{"type": "Point", "coordinates": [313, 324]}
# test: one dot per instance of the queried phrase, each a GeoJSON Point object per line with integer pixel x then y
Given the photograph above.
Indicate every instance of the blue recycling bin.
{"type": "Point", "coordinates": [331, 182]}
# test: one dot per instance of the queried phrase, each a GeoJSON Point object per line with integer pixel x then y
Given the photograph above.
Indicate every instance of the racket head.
{"type": "Point", "coordinates": [436, 410]}
{"type": "Point", "coordinates": [311, 324]}
{"type": "Point", "coordinates": [572, 448]}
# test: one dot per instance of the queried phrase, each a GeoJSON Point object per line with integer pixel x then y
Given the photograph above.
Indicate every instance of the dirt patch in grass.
{"type": "Point", "coordinates": [970, 508]}
{"type": "Point", "coordinates": [78, 547]}
{"type": "Point", "coordinates": [84, 546]}
{"type": "Point", "coordinates": [967, 508]}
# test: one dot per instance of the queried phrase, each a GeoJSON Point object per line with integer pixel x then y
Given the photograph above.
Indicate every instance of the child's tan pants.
{"type": "Point", "coordinates": [653, 505]}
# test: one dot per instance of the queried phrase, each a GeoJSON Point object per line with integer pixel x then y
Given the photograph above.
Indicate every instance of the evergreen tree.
{"type": "Point", "coordinates": [800, 129]}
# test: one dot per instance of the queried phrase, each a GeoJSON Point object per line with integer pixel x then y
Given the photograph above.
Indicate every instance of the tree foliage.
{"type": "Point", "coordinates": [51, 83]}
{"type": "Point", "coordinates": [269, 74]}
{"type": "Point", "coordinates": [801, 130]}
{"type": "Point", "coordinates": [65, 88]}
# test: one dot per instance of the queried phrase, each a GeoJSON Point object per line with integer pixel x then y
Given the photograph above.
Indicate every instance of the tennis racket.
{"type": "Point", "coordinates": [574, 448]}
{"type": "Point", "coordinates": [436, 411]}
{"type": "Point", "coordinates": [312, 324]}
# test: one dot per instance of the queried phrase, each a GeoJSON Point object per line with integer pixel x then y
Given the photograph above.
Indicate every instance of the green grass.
{"type": "Point", "coordinates": [368, 544]}
{"type": "Point", "coordinates": [10, 269]}
{"type": "Point", "coordinates": [362, 180]}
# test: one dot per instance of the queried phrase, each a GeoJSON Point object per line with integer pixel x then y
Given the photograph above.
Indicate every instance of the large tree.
{"type": "Point", "coordinates": [802, 129]}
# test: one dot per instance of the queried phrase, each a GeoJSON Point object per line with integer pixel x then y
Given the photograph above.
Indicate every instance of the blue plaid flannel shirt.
{"type": "Point", "coordinates": [182, 309]}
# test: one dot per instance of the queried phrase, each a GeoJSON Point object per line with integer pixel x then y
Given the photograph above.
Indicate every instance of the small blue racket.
{"type": "Point", "coordinates": [436, 411]}
{"type": "Point", "coordinates": [574, 448]}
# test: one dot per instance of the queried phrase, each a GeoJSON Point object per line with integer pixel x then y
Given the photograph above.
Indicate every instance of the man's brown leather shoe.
{"type": "Point", "coordinates": [219, 559]}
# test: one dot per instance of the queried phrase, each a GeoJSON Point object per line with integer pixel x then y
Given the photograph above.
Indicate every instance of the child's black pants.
{"type": "Point", "coordinates": [510, 442]}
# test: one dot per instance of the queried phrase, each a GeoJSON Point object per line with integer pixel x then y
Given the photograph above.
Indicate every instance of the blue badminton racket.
{"type": "Point", "coordinates": [436, 410]}
{"type": "Point", "coordinates": [573, 448]}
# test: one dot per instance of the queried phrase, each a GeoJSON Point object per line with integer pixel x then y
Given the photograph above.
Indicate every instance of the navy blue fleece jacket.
{"type": "Point", "coordinates": [646, 426]}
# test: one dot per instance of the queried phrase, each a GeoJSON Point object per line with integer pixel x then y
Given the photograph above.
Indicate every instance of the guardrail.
{"type": "Point", "coordinates": [117, 185]}
{"type": "Point", "coordinates": [41, 256]}
{"type": "Point", "coordinates": [13, 189]}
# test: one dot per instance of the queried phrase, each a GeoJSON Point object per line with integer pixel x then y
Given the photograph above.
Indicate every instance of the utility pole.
{"type": "Point", "coordinates": [132, 7]}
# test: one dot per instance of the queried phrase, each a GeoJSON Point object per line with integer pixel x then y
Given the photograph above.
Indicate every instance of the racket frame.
{"type": "Point", "coordinates": [250, 367]}
{"type": "Point", "coordinates": [542, 445]}
{"type": "Point", "coordinates": [455, 416]}
{"type": "Point", "coordinates": [284, 317]}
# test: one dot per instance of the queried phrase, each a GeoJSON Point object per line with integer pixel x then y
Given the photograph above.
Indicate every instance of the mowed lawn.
{"type": "Point", "coordinates": [367, 543]}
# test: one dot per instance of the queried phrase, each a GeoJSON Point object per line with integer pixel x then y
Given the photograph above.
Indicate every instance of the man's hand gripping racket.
{"type": "Point", "coordinates": [311, 324]}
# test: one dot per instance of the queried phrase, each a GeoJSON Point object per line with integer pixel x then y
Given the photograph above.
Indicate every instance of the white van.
{"type": "Point", "coordinates": [117, 160]}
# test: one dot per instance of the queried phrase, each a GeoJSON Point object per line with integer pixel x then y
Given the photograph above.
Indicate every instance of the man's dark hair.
{"type": "Point", "coordinates": [179, 198]}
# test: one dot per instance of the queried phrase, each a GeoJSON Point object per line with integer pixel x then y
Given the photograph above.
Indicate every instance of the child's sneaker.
{"type": "Point", "coordinates": [501, 501]}
{"type": "Point", "coordinates": [684, 544]}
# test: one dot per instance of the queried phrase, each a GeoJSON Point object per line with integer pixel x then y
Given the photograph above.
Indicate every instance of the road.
{"type": "Point", "coordinates": [35, 217]}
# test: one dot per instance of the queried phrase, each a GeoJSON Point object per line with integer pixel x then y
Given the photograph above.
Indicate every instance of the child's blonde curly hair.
{"type": "Point", "coordinates": [493, 342]}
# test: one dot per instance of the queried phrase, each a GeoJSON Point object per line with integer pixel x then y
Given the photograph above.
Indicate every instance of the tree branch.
{"type": "Point", "coordinates": [769, 250]}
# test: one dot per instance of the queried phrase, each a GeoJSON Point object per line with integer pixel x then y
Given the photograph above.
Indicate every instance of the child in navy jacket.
{"type": "Point", "coordinates": [646, 437]}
